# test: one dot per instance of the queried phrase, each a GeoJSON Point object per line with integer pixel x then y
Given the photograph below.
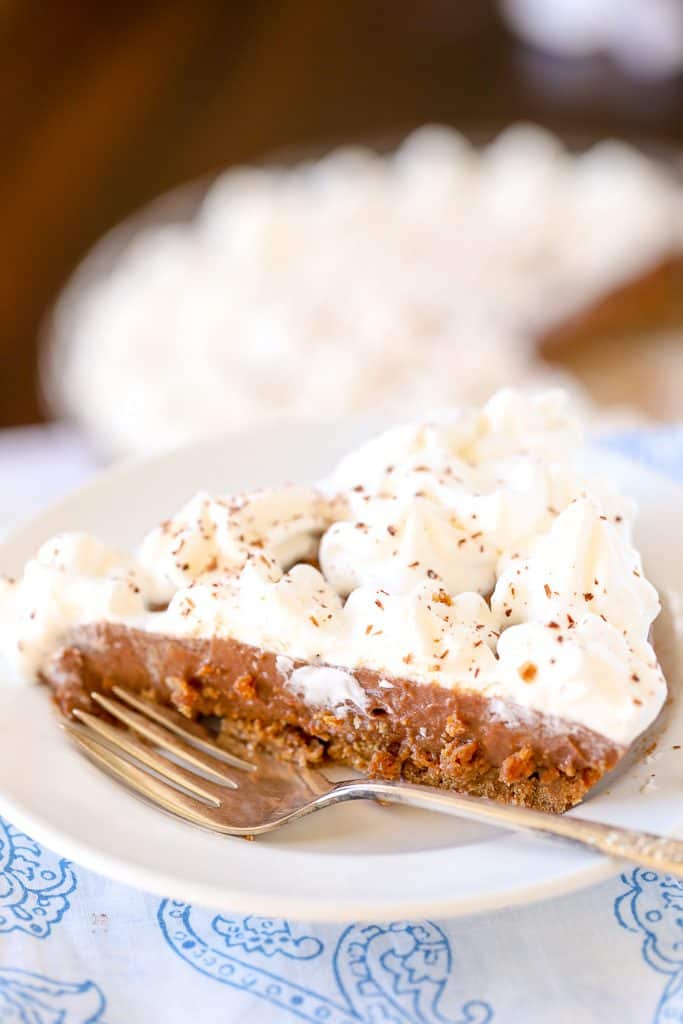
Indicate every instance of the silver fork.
{"type": "Point", "coordinates": [172, 763]}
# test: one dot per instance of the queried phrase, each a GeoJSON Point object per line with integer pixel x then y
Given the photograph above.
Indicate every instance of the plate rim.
{"type": "Point", "coordinates": [319, 910]}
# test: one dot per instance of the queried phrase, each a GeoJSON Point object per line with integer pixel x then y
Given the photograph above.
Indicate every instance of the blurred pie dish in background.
{"type": "Point", "coordinates": [400, 282]}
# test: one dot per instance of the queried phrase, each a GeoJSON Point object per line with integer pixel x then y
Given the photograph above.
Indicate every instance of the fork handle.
{"type": "Point", "coordinates": [657, 852]}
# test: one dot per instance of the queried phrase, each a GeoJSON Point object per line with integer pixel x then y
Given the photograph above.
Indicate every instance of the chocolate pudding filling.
{"type": "Point", "coordinates": [421, 732]}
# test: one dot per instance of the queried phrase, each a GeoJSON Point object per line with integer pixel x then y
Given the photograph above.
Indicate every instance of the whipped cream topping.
{"type": "Point", "coordinates": [434, 270]}
{"type": "Point", "coordinates": [468, 551]}
{"type": "Point", "coordinates": [322, 685]}
{"type": "Point", "coordinates": [73, 578]}
{"type": "Point", "coordinates": [215, 537]}
{"type": "Point", "coordinates": [453, 497]}
{"type": "Point", "coordinates": [603, 575]}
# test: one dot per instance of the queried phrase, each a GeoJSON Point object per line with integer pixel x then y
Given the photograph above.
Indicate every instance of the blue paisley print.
{"type": "Point", "coordinates": [652, 906]}
{"type": "Point", "coordinates": [28, 998]}
{"type": "Point", "coordinates": [395, 973]}
{"type": "Point", "coordinates": [34, 884]}
{"type": "Point", "coordinates": [271, 936]}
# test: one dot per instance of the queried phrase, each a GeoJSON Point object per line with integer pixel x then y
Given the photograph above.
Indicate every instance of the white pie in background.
{"type": "Point", "coordinates": [358, 282]}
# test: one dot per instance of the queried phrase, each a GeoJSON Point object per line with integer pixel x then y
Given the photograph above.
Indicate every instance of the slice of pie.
{"type": "Point", "coordinates": [457, 604]}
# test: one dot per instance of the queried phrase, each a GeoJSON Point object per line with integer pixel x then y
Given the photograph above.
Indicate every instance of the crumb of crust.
{"type": "Point", "coordinates": [245, 687]}
{"type": "Point", "coordinates": [384, 765]}
{"type": "Point", "coordinates": [518, 766]}
{"type": "Point", "coordinates": [183, 696]}
{"type": "Point", "coordinates": [459, 755]}
{"type": "Point", "coordinates": [454, 727]}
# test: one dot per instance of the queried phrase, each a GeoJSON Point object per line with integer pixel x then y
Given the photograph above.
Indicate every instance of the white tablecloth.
{"type": "Point", "coordinates": [77, 948]}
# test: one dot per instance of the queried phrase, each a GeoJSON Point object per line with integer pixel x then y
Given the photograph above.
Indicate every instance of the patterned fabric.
{"type": "Point", "coordinates": [76, 948]}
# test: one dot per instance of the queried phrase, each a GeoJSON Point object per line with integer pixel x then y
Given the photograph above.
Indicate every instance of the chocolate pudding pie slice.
{"type": "Point", "coordinates": [457, 604]}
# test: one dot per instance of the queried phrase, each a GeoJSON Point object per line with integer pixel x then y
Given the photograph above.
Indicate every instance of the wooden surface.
{"type": "Point", "coordinates": [107, 104]}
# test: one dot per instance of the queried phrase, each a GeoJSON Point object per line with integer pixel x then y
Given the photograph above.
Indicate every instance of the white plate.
{"type": "Point", "coordinates": [354, 862]}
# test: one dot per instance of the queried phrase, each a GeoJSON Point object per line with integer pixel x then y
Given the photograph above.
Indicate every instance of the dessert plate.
{"type": "Point", "coordinates": [355, 862]}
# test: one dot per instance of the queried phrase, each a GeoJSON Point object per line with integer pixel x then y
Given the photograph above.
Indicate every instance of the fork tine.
{"type": "Point", "coordinates": [122, 740]}
{"type": "Point", "coordinates": [141, 725]}
{"type": "Point", "coordinates": [158, 792]}
{"type": "Point", "coordinates": [175, 723]}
